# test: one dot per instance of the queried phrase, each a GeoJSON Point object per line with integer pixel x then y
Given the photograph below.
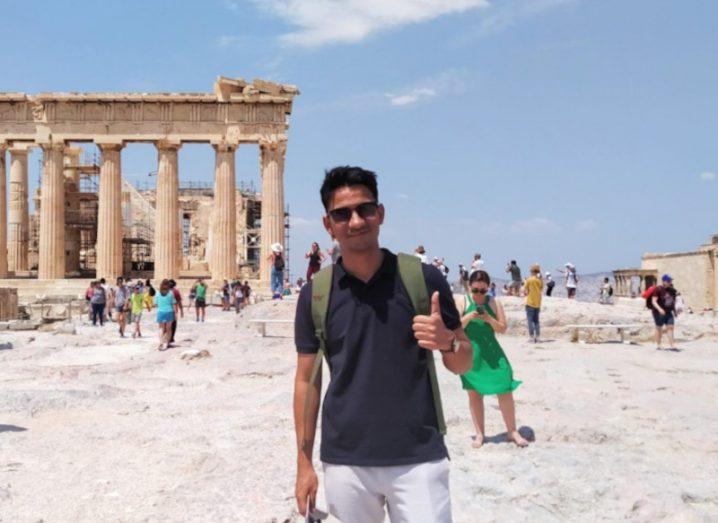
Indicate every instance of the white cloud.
{"type": "Point", "coordinates": [451, 81]}
{"type": "Point", "coordinates": [306, 224]}
{"type": "Point", "coordinates": [402, 196]}
{"type": "Point", "coordinates": [586, 225]}
{"type": "Point", "coordinates": [708, 177]}
{"type": "Point", "coordinates": [226, 40]}
{"type": "Point", "coordinates": [510, 13]}
{"type": "Point", "coordinates": [411, 97]}
{"type": "Point", "coordinates": [232, 5]}
{"type": "Point", "coordinates": [536, 225]}
{"type": "Point", "coordinates": [322, 22]}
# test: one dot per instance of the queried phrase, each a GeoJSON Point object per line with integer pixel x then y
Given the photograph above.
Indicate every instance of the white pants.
{"type": "Point", "coordinates": [415, 493]}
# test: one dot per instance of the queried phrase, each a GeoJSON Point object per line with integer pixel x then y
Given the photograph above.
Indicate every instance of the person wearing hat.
{"type": "Point", "coordinates": [663, 307]}
{"type": "Point", "coordinates": [571, 280]}
{"type": "Point", "coordinates": [277, 274]}
{"type": "Point", "coordinates": [420, 253]}
{"type": "Point", "coordinates": [550, 284]}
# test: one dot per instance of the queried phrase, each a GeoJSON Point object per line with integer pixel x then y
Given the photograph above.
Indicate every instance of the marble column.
{"type": "Point", "coordinates": [272, 165]}
{"type": "Point", "coordinates": [167, 218]}
{"type": "Point", "coordinates": [18, 212]}
{"type": "Point", "coordinates": [223, 259]}
{"type": "Point", "coordinates": [72, 215]}
{"type": "Point", "coordinates": [3, 214]}
{"type": "Point", "coordinates": [51, 255]}
{"type": "Point", "coordinates": [109, 214]}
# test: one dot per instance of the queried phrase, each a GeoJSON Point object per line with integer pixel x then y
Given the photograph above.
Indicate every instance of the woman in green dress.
{"type": "Point", "coordinates": [482, 318]}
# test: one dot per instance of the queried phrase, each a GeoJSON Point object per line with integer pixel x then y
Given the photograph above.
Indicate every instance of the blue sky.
{"type": "Point", "coordinates": [542, 130]}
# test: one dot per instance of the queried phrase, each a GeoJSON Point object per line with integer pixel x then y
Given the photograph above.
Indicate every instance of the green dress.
{"type": "Point", "coordinates": [491, 372]}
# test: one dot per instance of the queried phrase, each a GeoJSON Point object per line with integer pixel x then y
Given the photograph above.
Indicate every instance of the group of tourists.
{"type": "Point", "coordinates": [235, 295]}
{"type": "Point", "coordinates": [378, 319]}
{"type": "Point", "coordinates": [124, 303]}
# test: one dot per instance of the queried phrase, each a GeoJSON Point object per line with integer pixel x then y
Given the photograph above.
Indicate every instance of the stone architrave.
{"type": "Point", "coordinates": [3, 214]}
{"type": "Point", "coordinates": [18, 212]}
{"type": "Point", "coordinates": [109, 215]}
{"type": "Point", "coordinates": [167, 225]}
{"type": "Point", "coordinates": [272, 154]}
{"type": "Point", "coordinates": [223, 259]}
{"type": "Point", "coordinates": [51, 251]}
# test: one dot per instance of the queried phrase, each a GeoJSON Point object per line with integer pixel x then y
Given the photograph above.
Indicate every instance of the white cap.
{"type": "Point", "coordinates": [277, 247]}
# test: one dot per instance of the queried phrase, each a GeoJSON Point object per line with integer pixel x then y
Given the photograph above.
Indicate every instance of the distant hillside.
{"type": "Point", "coordinates": [589, 285]}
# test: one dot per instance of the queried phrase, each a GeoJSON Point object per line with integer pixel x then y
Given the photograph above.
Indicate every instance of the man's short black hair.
{"type": "Point", "coordinates": [347, 176]}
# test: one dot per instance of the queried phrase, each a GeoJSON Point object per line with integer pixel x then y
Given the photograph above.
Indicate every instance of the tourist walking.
{"type": "Point", "coordinates": [571, 279]}
{"type": "Point", "coordinates": [226, 292]}
{"type": "Point", "coordinates": [246, 291]}
{"type": "Point", "coordinates": [200, 301]}
{"type": "Point", "coordinates": [387, 449]}
{"type": "Point", "coordinates": [149, 293]}
{"type": "Point", "coordinates": [316, 258]}
{"type": "Point", "coordinates": [137, 304]}
{"type": "Point", "coordinates": [463, 278]}
{"type": "Point", "coordinates": [533, 287]}
{"type": "Point", "coordinates": [491, 373]}
{"type": "Point", "coordinates": [121, 303]}
{"type": "Point", "coordinates": [662, 302]}
{"type": "Point", "coordinates": [420, 253]}
{"type": "Point", "coordinates": [515, 284]}
{"type": "Point", "coordinates": [97, 303]}
{"type": "Point", "coordinates": [166, 305]}
{"type": "Point", "coordinates": [277, 275]}
{"type": "Point", "coordinates": [606, 293]}
{"type": "Point", "coordinates": [238, 297]}
{"type": "Point", "coordinates": [550, 284]}
{"type": "Point", "coordinates": [178, 300]}
{"type": "Point", "coordinates": [477, 264]}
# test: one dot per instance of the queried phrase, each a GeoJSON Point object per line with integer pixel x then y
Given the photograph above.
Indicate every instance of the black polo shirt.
{"type": "Point", "coordinates": [378, 409]}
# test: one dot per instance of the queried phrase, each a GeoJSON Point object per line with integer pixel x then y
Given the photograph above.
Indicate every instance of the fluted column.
{"type": "Point", "coordinates": [272, 164]}
{"type": "Point", "coordinates": [51, 256]}
{"type": "Point", "coordinates": [167, 218]}
{"type": "Point", "coordinates": [3, 213]}
{"type": "Point", "coordinates": [18, 212]}
{"type": "Point", "coordinates": [224, 225]}
{"type": "Point", "coordinates": [109, 213]}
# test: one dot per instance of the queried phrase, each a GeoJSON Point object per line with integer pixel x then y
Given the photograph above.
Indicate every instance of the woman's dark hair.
{"type": "Point", "coordinates": [347, 176]}
{"type": "Point", "coordinates": [480, 276]}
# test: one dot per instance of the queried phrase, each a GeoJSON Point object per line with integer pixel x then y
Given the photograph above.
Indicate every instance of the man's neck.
{"type": "Point", "coordinates": [364, 264]}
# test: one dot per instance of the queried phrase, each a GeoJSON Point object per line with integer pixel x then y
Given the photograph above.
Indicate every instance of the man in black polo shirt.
{"type": "Point", "coordinates": [380, 439]}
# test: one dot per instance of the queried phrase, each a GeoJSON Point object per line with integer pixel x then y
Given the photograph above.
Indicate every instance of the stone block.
{"type": "Point", "coordinates": [8, 304]}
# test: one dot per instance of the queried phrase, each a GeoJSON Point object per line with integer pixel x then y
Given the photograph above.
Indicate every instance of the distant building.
{"type": "Point", "coordinates": [694, 273]}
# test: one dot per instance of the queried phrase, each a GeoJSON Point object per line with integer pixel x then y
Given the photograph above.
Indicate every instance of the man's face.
{"type": "Point", "coordinates": [357, 233]}
{"type": "Point", "coordinates": [667, 283]}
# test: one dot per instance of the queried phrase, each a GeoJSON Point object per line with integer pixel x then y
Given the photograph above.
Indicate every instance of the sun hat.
{"type": "Point", "coordinates": [277, 247]}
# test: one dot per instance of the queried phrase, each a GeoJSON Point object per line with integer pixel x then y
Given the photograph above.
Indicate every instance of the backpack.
{"type": "Point", "coordinates": [412, 277]}
{"type": "Point", "coordinates": [648, 295]}
{"type": "Point", "coordinates": [610, 290]}
{"type": "Point", "coordinates": [278, 262]}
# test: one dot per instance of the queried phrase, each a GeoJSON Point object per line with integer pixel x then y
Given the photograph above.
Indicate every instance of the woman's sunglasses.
{"type": "Point", "coordinates": [479, 291]}
{"type": "Point", "coordinates": [344, 214]}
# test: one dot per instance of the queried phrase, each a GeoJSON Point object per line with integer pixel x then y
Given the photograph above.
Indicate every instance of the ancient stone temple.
{"type": "Point", "coordinates": [68, 218]}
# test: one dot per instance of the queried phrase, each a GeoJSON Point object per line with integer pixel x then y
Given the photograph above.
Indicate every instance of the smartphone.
{"type": "Point", "coordinates": [315, 515]}
{"type": "Point", "coordinates": [480, 309]}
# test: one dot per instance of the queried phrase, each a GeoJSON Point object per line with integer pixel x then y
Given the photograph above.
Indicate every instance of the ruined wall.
{"type": "Point", "coordinates": [693, 275]}
{"type": "Point", "coordinates": [8, 303]}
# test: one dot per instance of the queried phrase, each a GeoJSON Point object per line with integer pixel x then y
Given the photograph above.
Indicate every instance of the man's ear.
{"type": "Point", "coordinates": [381, 212]}
{"type": "Point", "coordinates": [327, 225]}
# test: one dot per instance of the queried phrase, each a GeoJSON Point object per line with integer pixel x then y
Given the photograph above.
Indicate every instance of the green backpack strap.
{"type": "Point", "coordinates": [412, 276]}
{"type": "Point", "coordinates": [321, 289]}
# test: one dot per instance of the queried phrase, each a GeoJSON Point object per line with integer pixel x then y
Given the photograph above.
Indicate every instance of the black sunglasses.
{"type": "Point", "coordinates": [479, 291]}
{"type": "Point", "coordinates": [364, 210]}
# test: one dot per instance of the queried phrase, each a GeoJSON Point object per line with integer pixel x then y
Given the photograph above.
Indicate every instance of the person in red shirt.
{"type": "Point", "coordinates": [663, 307]}
{"type": "Point", "coordinates": [178, 298]}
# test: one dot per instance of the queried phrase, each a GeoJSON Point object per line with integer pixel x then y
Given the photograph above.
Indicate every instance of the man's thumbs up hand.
{"type": "Point", "coordinates": [430, 331]}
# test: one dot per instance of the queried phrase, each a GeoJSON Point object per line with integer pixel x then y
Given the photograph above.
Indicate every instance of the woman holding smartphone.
{"type": "Point", "coordinates": [491, 374]}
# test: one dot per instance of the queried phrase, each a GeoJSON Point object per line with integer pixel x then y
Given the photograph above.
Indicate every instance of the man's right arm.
{"type": "Point", "coordinates": [305, 429]}
{"type": "Point", "coordinates": [660, 310]}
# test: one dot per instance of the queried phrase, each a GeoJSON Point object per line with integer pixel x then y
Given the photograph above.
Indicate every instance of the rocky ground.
{"type": "Point", "coordinates": [98, 428]}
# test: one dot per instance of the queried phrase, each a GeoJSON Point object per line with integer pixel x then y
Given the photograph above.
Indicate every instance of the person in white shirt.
{"type": "Point", "coordinates": [477, 264]}
{"type": "Point", "coordinates": [420, 253]}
